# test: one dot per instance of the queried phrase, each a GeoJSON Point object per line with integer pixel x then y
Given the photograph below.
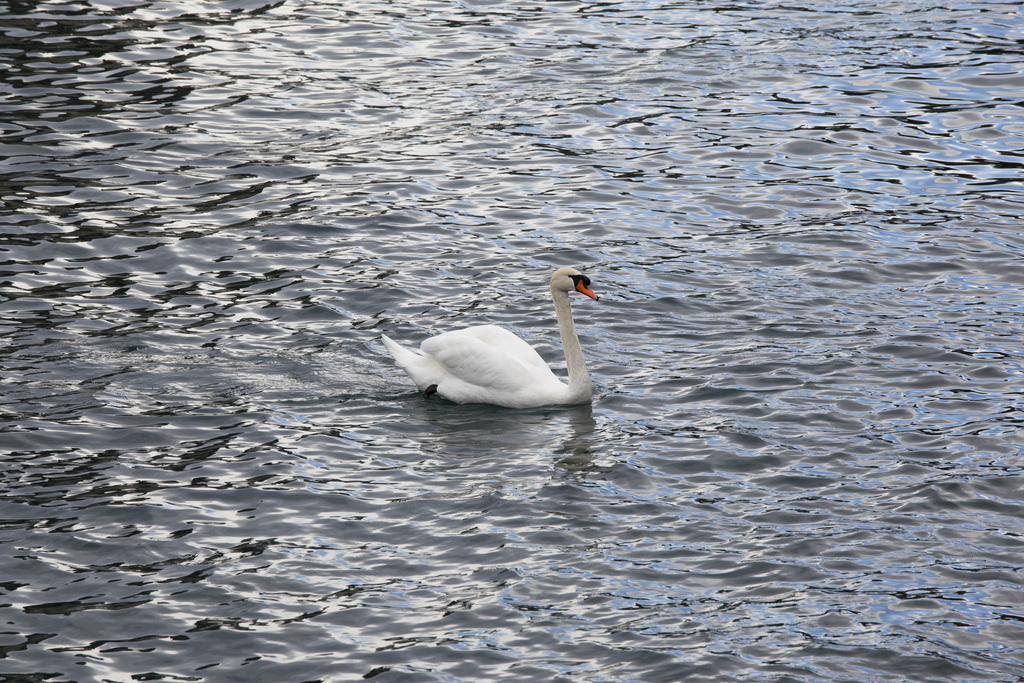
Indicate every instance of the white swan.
{"type": "Point", "coordinates": [488, 364]}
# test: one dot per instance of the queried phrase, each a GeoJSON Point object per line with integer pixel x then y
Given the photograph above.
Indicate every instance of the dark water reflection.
{"type": "Point", "coordinates": [803, 461]}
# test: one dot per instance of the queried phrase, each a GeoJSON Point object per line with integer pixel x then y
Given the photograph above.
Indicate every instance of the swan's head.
{"type": "Point", "coordinates": [569, 279]}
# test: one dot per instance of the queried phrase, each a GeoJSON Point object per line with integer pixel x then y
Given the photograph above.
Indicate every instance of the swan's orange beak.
{"type": "Point", "coordinates": [580, 287]}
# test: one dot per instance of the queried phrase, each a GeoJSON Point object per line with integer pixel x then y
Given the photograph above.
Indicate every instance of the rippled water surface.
{"type": "Point", "coordinates": [803, 461]}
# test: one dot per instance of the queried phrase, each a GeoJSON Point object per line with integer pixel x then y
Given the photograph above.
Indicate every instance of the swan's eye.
{"type": "Point", "coordinates": [577, 279]}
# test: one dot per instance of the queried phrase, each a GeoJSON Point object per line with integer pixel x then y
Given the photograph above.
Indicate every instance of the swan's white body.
{"type": "Point", "coordinates": [488, 364]}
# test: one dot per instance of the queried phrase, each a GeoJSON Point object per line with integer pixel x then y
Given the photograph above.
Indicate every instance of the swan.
{"type": "Point", "coordinates": [489, 364]}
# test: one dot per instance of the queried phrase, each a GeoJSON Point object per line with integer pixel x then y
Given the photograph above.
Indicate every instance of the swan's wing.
{"type": "Point", "coordinates": [477, 362]}
{"type": "Point", "coordinates": [509, 344]}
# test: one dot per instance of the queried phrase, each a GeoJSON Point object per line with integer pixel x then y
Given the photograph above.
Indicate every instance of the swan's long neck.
{"type": "Point", "coordinates": [580, 387]}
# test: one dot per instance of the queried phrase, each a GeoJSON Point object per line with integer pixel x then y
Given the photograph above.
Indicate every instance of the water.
{"type": "Point", "coordinates": [803, 459]}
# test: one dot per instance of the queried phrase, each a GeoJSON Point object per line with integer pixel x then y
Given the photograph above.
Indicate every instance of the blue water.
{"type": "Point", "coordinates": [803, 460]}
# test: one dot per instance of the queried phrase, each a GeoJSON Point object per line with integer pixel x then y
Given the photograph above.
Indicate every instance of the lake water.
{"type": "Point", "coordinates": [803, 460]}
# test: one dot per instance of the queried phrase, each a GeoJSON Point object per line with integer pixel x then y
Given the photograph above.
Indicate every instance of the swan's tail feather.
{"type": "Point", "coordinates": [407, 359]}
{"type": "Point", "coordinates": [399, 352]}
{"type": "Point", "coordinates": [421, 369]}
